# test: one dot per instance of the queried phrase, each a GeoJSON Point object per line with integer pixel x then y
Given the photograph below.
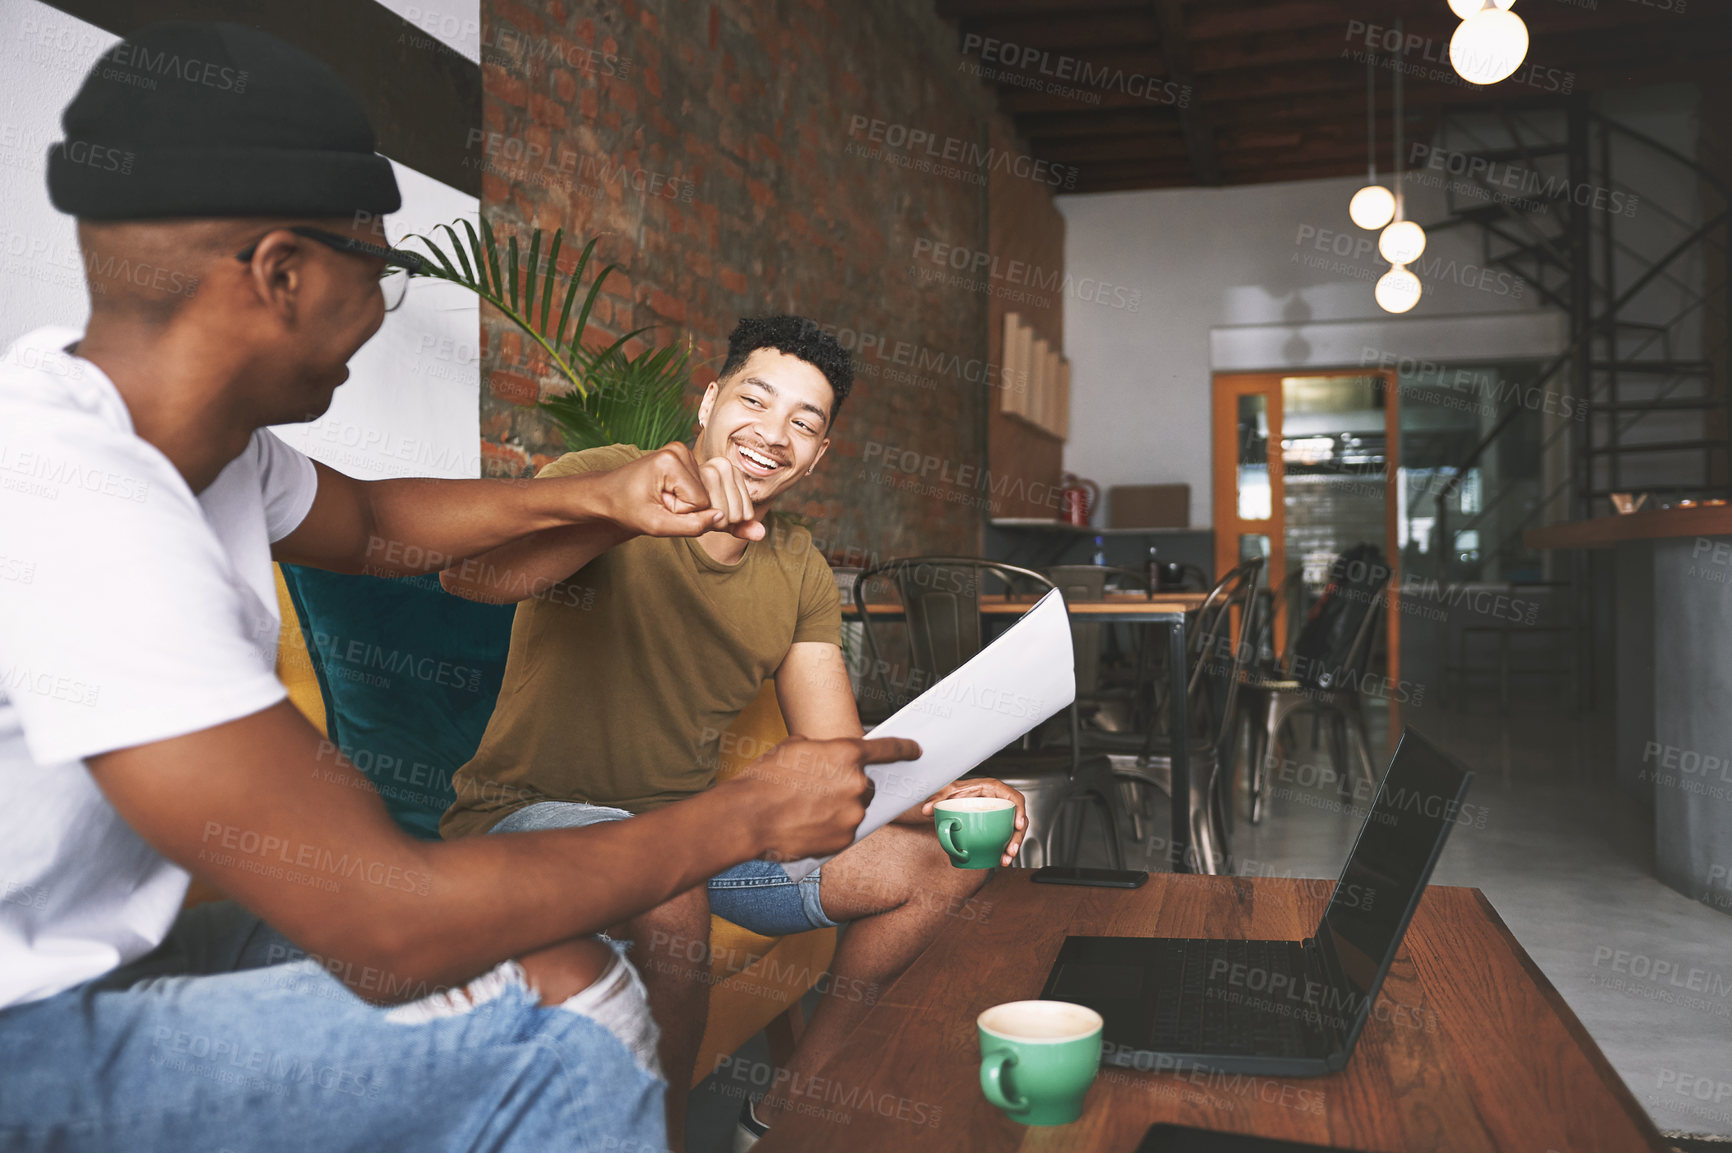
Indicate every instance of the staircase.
{"type": "Point", "coordinates": [1632, 241]}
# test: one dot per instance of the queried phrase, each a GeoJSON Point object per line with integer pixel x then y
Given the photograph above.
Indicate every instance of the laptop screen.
{"type": "Point", "coordinates": [1419, 801]}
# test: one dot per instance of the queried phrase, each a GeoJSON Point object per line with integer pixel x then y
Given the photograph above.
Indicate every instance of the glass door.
{"type": "Point", "coordinates": [1306, 467]}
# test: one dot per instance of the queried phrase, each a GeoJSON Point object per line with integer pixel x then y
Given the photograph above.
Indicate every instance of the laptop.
{"type": "Point", "coordinates": [1281, 1008]}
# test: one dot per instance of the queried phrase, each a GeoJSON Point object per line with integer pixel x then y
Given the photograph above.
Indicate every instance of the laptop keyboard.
{"type": "Point", "coordinates": [1237, 997]}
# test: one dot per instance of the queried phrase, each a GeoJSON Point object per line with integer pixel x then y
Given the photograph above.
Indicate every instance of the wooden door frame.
{"type": "Point", "coordinates": [1226, 388]}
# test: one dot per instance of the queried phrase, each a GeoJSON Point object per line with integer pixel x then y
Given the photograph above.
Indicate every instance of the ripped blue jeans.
{"type": "Point", "coordinates": [205, 1045]}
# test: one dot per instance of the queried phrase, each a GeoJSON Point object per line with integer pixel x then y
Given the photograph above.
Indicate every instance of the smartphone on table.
{"type": "Point", "coordinates": [1100, 878]}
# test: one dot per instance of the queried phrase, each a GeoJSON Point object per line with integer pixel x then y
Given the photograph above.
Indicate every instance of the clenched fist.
{"type": "Point", "coordinates": [667, 493]}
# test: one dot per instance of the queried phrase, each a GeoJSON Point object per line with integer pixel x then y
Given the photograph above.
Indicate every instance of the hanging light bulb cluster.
{"type": "Point", "coordinates": [1374, 207]}
{"type": "Point", "coordinates": [1491, 42]}
{"type": "Point", "coordinates": [1489, 46]}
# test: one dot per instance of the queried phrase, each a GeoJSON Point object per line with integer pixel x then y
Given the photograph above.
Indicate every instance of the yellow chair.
{"type": "Point", "coordinates": [763, 993]}
{"type": "Point", "coordinates": [756, 981]}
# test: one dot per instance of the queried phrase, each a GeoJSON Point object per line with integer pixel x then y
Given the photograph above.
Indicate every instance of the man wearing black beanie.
{"type": "Point", "coordinates": [453, 994]}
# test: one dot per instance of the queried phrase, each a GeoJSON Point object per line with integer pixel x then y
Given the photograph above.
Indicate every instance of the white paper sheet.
{"type": "Point", "coordinates": [1009, 687]}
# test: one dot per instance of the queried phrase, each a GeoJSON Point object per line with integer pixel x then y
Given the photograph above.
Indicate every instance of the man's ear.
{"type": "Point", "coordinates": [822, 448]}
{"type": "Point", "coordinates": [708, 404]}
{"type": "Point", "coordinates": [277, 273]}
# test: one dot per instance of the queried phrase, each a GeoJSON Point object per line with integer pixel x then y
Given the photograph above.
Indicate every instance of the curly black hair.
{"type": "Point", "coordinates": [796, 336]}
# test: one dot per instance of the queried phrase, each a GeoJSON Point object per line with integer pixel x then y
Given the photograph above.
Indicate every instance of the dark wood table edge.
{"type": "Point", "coordinates": [1577, 1031]}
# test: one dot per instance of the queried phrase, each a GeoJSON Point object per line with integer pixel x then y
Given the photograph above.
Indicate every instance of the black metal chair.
{"type": "Point", "coordinates": [941, 604]}
{"type": "Point", "coordinates": [1273, 694]}
{"type": "Point", "coordinates": [1108, 686]}
{"type": "Point", "coordinates": [1211, 688]}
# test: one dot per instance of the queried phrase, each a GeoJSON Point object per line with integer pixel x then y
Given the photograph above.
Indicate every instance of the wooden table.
{"type": "Point", "coordinates": [1165, 611]}
{"type": "Point", "coordinates": [1469, 1047]}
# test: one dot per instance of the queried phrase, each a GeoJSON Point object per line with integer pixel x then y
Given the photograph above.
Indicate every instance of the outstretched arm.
{"type": "Point", "coordinates": [259, 808]}
{"type": "Point", "coordinates": [416, 525]}
{"type": "Point", "coordinates": [529, 565]}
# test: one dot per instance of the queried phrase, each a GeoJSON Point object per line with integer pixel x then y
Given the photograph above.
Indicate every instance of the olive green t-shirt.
{"type": "Point", "coordinates": [622, 679]}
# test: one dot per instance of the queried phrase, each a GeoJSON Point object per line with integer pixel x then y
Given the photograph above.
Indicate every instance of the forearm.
{"type": "Point", "coordinates": [497, 896]}
{"type": "Point", "coordinates": [293, 832]}
{"type": "Point", "coordinates": [410, 526]}
{"type": "Point", "coordinates": [814, 692]}
{"type": "Point", "coordinates": [530, 566]}
{"type": "Point", "coordinates": [420, 525]}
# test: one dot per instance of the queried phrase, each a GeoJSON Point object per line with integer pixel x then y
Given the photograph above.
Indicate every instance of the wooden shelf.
{"type": "Point", "coordinates": [1650, 524]}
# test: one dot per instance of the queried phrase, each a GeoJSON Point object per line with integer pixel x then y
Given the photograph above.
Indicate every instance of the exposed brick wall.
{"type": "Point", "coordinates": [750, 127]}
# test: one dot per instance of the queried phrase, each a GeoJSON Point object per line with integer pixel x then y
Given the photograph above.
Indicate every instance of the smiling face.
{"type": "Point", "coordinates": [770, 420]}
{"type": "Point", "coordinates": [339, 310]}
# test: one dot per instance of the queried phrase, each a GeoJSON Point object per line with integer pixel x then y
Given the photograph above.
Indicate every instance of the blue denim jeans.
{"type": "Point", "coordinates": [205, 1046]}
{"type": "Point", "coordinates": [756, 895]}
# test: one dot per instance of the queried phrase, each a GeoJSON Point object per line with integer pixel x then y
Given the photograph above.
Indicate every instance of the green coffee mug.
{"type": "Point", "coordinates": [1038, 1059]}
{"type": "Point", "coordinates": [974, 830]}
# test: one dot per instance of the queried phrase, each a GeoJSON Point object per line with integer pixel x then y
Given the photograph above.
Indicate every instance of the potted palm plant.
{"type": "Point", "coordinates": [613, 398]}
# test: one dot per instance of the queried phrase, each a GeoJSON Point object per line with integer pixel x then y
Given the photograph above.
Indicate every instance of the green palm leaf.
{"type": "Point", "coordinates": [614, 398]}
{"type": "Point", "coordinates": [637, 400]}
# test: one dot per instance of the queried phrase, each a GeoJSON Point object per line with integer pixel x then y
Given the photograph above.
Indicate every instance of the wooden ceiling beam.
{"type": "Point", "coordinates": [1130, 180]}
{"type": "Point", "coordinates": [1111, 29]}
{"type": "Point", "coordinates": [1237, 161]}
{"type": "Point", "coordinates": [1066, 9]}
{"type": "Point", "coordinates": [1075, 123]}
{"type": "Point", "coordinates": [1100, 70]}
{"type": "Point", "coordinates": [1107, 149]}
{"type": "Point", "coordinates": [1274, 91]}
{"type": "Point", "coordinates": [1213, 21]}
{"type": "Point", "coordinates": [1193, 115]}
{"type": "Point", "coordinates": [1268, 49]}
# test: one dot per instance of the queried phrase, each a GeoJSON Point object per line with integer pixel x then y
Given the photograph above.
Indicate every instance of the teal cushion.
{"type": "Point", "coordinates": [409, 674]}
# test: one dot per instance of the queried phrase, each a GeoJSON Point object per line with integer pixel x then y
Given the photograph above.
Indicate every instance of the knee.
{"type": "Point", "coordinates": [936, 871]}
{"type": "Point", "coordinates": [685, 915]}
{"type": "Point", "coordinates": [562, 971]}
{"type": "Point", "coordinates": [675, 926]}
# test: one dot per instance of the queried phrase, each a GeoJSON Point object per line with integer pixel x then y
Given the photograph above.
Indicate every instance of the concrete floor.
{"type": "Point", "coordinates": [1566, 861]}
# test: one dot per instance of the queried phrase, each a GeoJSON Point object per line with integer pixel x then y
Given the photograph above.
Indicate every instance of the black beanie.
{"type": "Point", "coordinates": [200, 119]}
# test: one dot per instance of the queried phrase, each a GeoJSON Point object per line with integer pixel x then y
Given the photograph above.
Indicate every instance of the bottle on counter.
{"type": "Point", "coordinates": [1101, 550]}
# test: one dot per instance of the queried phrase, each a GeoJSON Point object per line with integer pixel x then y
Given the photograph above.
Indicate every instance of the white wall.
{"type": "Point", "coordinates": [1213, 258]}
{"type": "Point", "coordinates": [411, 406]}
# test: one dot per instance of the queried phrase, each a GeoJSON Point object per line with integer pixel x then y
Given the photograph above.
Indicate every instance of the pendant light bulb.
{"type": "Point", "coordinates": [1372, 207]}
{"type": "Point", "coordinates": [1465, 8]}
{"type": "Point", "coordinates": [1402, 243]}
{"type": "Point", "coordinates": [1398, 290]}
{"type": "Point", "coordinates": [1489, 46]}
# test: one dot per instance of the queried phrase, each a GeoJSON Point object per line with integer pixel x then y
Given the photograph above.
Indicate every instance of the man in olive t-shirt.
{"type": "Point", "coordinates": [626, 666]}
{"type": "Point", "coordinates": [646, 655]}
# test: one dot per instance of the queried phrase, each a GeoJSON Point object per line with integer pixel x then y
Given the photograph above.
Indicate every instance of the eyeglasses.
{"type": "Point", "coordinates": [393, 280]}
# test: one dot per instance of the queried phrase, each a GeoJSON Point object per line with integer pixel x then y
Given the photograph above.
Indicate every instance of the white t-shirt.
{"type": "Point", "coordinates": [131, 611]}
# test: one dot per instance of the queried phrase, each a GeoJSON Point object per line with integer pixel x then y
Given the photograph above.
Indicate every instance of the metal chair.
{"type": "Point", "coordinates": [1273, 695]}
{"type": "Point", "coordinates": [1112, 694]}
{"type": "Point", "coordinates": [1212, 693]}
{"type": "Point", "coordinates": [941, 604]}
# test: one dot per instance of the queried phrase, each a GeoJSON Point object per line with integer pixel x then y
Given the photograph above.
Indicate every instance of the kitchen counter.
{"type": "Point", "coordinates": [1673, 678]}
